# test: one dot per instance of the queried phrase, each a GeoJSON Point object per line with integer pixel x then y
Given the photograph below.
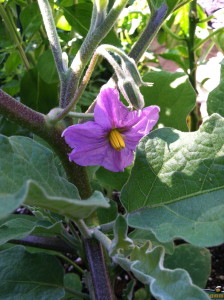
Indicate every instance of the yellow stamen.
{"type": "Point", "coordinates": [116, 140]}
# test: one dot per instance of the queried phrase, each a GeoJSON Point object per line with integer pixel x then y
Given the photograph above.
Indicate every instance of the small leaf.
{"type": "Point", "coordinates": [46, 67]}
{"type": "Point", "coordinates": [175, 96]}
{"type": "Point", "coordinates": [31, 19]}
{"type": "Point", "coordinates": [33, 276]}
{"type": "Point", "coordinates": [121, 240]}
{"type": "Point", "coordinates": [196, 261]}
{"type": "Point", "coordinates": [177, 180]}
{"type": "Point", "coordinates": [215, 98]}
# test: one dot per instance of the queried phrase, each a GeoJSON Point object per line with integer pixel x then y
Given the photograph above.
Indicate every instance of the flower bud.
{"type": "Point", "coordinates": [131, 92]}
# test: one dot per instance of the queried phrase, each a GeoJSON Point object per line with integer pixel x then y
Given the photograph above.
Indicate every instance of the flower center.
{"type": "Point", "coordinates": [116, 140]}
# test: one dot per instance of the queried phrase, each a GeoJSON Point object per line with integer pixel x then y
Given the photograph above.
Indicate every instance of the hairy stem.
{"type": "Point", "coordinates": [149, 33]}
{"type": "Point", "coordinates": [48, 243]}
{"type": "Point", "coordinates": [36, 122]}
{"type": "Point", "coordinates": [98, 269]}
{"type": "Point", "coordinates": [52, 35]}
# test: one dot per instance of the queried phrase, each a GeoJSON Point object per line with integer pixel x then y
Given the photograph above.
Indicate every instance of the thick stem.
{"type": "Point", "coordinates": [98, 269]}
{"type": "Point", "coordinates": [42, 242]}
{"type": "Point", "coordinates": [35, 122]}
{"type": "Point", "coordinates": [192, 60]}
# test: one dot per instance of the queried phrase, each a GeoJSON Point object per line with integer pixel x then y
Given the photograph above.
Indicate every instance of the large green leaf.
{"type": "Point", "coordinates": [30, 276]}
{"type": "Point", "coordinates": [195, 260]}
{"type": "Point", "coordinates": [147, 266]}
{"type": "Point", "coordinates": [175, 96]}
{"type": "Point", "coordinates": [20, 226]}
{"type": "Point", "coordinates": [215, 99]}
{"type": "Point", "coordinates": [176, 187]}
{"type": "Point", "coordinates": [29, 174]}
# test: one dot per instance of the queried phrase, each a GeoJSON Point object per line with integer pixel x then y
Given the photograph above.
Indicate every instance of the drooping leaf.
{"type": "Point", "coordinates": [176, 185]}
{"type": "Point", "coordinates": [195, 260]}
{"type": "Point", "coordinates": [215, 98]}
{"type": "Point", "coordinates": [29, 174]}
{"type": "Point", "coordinates": [20, 226]}
{"type": "Point", "coordinates": [147, 266]}
{"type": "Point", "coordinates": [175, 96]}
{"type": "Point", "coordinates": [33, 276]}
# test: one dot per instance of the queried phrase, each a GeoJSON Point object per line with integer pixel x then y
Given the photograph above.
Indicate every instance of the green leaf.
{"type": "Point", "coordinates": [196, 261]}
{"type": "Point", "coordinates": [29, 174]}
{"type": "Point", "coordinates": [47, 69]}
{"type": "Point", "coordinates": [71, 208]}
{"type": "Point", "coordinates": [147, 266]}
{"type": "Point", "coordinates": [36, 93]}
{"type": "Point", "coordinates": [72, 282]}
{"type": "Point", "coordinates": [30, 276]}
{"type": "Point", "coordinates": [111, 179]}
{"type": "Point", "coordinates": [121, 240]}
{"type": "Point", "coordinates": [20, 226]}
{"type": "Point", "coordinates": [106, 215]}
{"type": "Point", "coordinates": [12, 63]}
{"type": "Point", "coordinates": [175, 96]}
{"type": "Point", "coordinates": [215, 98]}
{"type": "Point", "coordinates": [140, 236]}
{"type": "Point", "coordinates": [31, 19]}
{"type": "Point", "coordinates": [176, 185]}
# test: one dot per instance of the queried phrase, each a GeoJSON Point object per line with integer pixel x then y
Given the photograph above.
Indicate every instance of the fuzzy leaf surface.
{"type": "Point", "coordinates": [176, 186]}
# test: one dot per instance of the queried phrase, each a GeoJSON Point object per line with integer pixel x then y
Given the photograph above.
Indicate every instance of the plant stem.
{"type": "Point", "coordinates": [199, 44]}
{"type": "Point", "coordinates": [52, 35]}
{"type": "Point", "coordinates": [80, 270]}
{"type": "Point", "coordinates": [101, 237]}
{"type": "Point", "coordinates": [84, 230]}
{"type": "Point", "coordinates": [192, 60]}
{"type": "Point", "coordinates": [36, 122]}
{"type": "Point", "coordinates": [98, 269]}
{"type": "Point", "coordinates": [14, 35]}
{"type": "Point", "coordinates": [149, 33]}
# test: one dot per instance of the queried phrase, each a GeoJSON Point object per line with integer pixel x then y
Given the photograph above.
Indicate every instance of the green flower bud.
{"type": "Point", "coordinates": [131, 92]}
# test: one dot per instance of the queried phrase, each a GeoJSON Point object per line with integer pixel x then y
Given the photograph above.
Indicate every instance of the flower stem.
{"type": "Point", "coordinates": [14, 35]}
{"type": "Point", "coordinates": [80, 270]}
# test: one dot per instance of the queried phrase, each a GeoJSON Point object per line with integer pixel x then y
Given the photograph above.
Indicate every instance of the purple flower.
{"type": "Point", "coordinates": [110, 140]}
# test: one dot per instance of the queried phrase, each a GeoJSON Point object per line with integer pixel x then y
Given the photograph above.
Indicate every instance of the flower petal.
{"type": "Point", "coordinates": [84, 134]}
{"type": "Point", "coordinates": [109, 111]}
{"type": "Point", "coordinates": [142, 121]}
{"type": "Point", "coordinates": [116, 161]}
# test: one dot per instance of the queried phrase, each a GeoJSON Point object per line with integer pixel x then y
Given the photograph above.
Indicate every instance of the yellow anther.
{"type": "Point", "coordinates": [116, 140]}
